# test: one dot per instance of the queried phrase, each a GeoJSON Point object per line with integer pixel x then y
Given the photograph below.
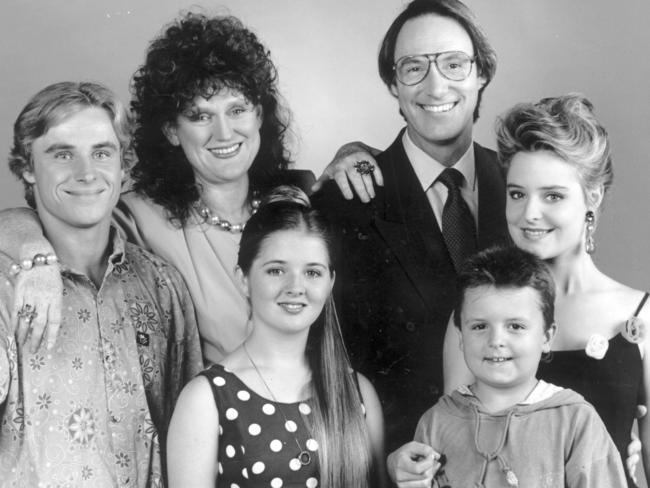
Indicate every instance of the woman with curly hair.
{"type": "Point", "coordinates": [210, 139]}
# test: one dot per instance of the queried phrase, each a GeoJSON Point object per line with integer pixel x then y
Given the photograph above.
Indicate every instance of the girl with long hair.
{"type": "Point", "coordinates": [289, 409]}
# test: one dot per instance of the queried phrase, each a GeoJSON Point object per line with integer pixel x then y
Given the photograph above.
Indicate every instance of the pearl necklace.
{"type": "Point", "coordinates": [303, 455]}
{"type": "Point", "coordinates": [212, 219]}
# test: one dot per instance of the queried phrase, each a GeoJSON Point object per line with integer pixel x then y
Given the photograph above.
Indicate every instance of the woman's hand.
{"type": "Point", "coordinates": [344, 169]}
{"type": "Point", "coordinates": [413, 465]}
{"type": "Point", "coordinates": [36, 310]}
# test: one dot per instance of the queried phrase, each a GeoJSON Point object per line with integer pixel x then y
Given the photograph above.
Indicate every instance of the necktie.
{"type": "Point", "coordinates": [458, 228]}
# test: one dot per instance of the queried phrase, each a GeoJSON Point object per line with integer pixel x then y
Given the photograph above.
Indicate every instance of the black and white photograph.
{"type": "Point", "coordinates": [344, 244]}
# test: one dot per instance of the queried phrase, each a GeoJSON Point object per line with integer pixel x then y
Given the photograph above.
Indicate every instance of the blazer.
{"type": "Point", "coordinates": [396, 282]}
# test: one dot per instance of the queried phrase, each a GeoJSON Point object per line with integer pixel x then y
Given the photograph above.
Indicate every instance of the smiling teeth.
{"type": "Point", "coordinates": [293, 307]}
{"type": "Point", "coordinates": [498, 360]}
{"type": "Point", "coordinates": [438, 108]}
{"type": "Point", "coordinates": [225, 151]}
{"type": "Point", "coordinates": [536, 232]}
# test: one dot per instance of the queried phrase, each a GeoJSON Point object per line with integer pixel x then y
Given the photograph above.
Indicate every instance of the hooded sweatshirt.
{"type": "Point", "coordinates": [552, 439]}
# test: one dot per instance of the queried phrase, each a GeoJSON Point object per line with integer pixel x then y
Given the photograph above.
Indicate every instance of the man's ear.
{"type": "Point", "coordinates": [482, 81]}
{"type": "Point", "coordinates": [169, 130]}
{"type": "Point", "coordinates": [393, 89]}
{"type": "Point", "coordinates": [242, 282]}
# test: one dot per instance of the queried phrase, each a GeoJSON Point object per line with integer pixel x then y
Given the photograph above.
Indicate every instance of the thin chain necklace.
{"type": "Point", "coordinates": [210, 218]}
{"type": "Point", "coordinates": [303, 455]}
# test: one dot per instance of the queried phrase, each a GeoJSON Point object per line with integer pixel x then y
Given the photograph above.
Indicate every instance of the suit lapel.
{"type": "Point", "coordinates": [406, 221]}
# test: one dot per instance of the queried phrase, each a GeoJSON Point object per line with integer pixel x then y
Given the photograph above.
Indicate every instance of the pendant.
{"type": "Point", "coordinates": [304, 457]}
{"type": "Point", "coordinates": [511, 478]}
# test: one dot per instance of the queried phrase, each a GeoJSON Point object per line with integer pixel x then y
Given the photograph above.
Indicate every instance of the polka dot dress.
{"type": "Point", "coordinates": [257, 447]}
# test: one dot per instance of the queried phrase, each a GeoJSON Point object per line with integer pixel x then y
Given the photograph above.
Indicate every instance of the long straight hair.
{"type": "Point", "coordinates": [338, 422]}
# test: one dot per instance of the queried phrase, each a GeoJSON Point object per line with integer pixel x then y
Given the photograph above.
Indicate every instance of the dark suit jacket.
{"type": "Point", "coordinates": [396, 282]}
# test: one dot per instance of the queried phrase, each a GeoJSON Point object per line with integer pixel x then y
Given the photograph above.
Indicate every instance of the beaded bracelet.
{"type": "Point", "coordinates": [37, 260]}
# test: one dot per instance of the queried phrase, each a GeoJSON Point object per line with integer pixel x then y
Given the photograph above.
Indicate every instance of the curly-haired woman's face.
{"type": "Point", "coordinates": [220, 136]}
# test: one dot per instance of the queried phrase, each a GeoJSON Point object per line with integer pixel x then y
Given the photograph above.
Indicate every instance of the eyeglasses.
{"type": "Point", "coordinates": [453, 65]}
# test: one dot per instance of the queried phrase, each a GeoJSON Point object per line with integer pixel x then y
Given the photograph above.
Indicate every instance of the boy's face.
{"type": "Point", "coordinates": [503, 337]}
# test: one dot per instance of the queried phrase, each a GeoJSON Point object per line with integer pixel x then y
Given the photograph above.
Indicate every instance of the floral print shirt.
{"type": "Point", "coordinates": [94, 410]}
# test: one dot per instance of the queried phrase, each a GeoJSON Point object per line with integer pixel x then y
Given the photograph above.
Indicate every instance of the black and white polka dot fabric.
{"type": "Point", "coordinates": [257, 446]}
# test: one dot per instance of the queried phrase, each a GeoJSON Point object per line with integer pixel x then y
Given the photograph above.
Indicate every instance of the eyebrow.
{"type": "Point", "coordinates": [279, 261]}
{"type": "Point", "coordinates": [551, 187]}
{"type": "Point", "coordinates": [471, 320]}
{"type": "Point", "coordinates": [204, 104]}
{"type": "Point", "coordinates": [68, 147]}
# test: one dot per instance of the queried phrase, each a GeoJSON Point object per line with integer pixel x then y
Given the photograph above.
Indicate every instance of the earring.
{"type": "Point", "coordinates": [590, 244]}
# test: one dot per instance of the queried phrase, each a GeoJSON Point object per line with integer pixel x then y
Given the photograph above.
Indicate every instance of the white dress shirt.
{"type": "Point", "coordinates": [428, 169]}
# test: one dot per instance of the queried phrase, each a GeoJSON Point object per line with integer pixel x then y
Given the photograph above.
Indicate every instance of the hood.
{"type": "Point", "coordinates": [463, 403]}
{"type": "Point", "coordinates": [544, 396]}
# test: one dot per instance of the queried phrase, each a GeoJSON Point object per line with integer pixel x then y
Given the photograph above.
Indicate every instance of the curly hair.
{"type": "Point", "coordinates": [200, 56]}
{"type": "Point", "coordinates": [565, 126]}
{"type": "Point", "coordinates": [49, 107]}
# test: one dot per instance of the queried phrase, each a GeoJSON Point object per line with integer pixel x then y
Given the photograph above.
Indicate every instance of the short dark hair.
{"type": "Point", "coordinates": [486, 58]}
{"type": "Point", "coordinates": [195, 56]}
{"type": "Point", "coordinates": [507, 267]}
{"type": "Point", "coordinates": [50, 107]}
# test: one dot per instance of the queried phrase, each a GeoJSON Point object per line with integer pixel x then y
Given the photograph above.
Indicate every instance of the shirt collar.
{"type": "Point", "coordinates": [117, 242]}
{"type": "Point", "coordinates": [117, 254]}
{"type": "Point", "coordinates": [427, 169]}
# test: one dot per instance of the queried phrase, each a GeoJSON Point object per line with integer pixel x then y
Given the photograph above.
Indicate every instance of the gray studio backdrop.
{"type": "Point", "coordinates": [326, 57]}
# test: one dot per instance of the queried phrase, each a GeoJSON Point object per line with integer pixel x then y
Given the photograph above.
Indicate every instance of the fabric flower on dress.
{"type": "Point", "coordinates": [597, 346]}
{"type": "Point", "coordinates": [634, 330]}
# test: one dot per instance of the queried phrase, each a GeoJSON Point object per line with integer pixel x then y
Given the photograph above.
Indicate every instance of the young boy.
{"type": "Point", "coordinates": [508, 428]}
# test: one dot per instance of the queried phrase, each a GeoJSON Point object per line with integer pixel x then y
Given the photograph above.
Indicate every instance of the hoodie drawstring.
{"type": "Point", "coordinates": [511, 478]}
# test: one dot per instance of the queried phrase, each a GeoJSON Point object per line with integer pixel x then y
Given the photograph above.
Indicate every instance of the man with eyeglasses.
{"type": "Point", "coordinates": [443, 199]}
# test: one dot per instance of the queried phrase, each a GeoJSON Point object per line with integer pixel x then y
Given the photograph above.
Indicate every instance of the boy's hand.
{"type": "Point", "coordinates": [413, 465]}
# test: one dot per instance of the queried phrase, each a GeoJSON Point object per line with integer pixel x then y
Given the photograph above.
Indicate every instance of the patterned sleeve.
{"type": "Point", "coordinates": [187, 357]}
{"type": "Point", "coordinates": [7, 341]}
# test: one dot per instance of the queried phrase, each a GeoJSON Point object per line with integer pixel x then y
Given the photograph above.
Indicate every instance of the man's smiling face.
{"type": "Point", "coordinates": [439, 112]}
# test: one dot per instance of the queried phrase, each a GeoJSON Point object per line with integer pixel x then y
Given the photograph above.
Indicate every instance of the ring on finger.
{"type": "Point", "coordinates": [27, 312]}
{"type": "Point", "coordinates": [364, 167]}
